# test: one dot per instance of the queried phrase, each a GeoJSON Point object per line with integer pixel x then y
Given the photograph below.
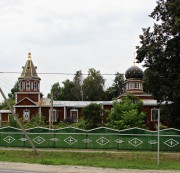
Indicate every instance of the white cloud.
{"type": "Point", "coordinates": [70, 35]}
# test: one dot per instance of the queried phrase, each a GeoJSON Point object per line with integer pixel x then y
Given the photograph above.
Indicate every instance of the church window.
{"type": "Point", "coordinates": [135, 85]}
{"type": "Point", "coordinates": [28, 85]}
{"type": "Point", "coordinates": [26, 115]}
{"type": "Point", "coordinates": [129, 85]}
{"type": "Point", "coordinates": [154, 114]}
{"type": "Point", "coordinates": [53, 116]}
{"type": "Point", "coordinates": [74, 115]}
{"type": "Point", "coordinates": [35, 86]}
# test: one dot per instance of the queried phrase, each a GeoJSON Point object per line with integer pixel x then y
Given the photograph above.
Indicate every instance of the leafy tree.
{"type": "Point", "coordinates": [3, 105]}
{"type": "Point", "coordinates": [56, 90]}
{"type": "Point", "coordinates": [67, 90]}
{"type": "Point", "coordinates": [91, 116]}
{"type": "Point", "coordinates": [93, 86]}
{"type": "Point", "coordinates": [12, 121]}
{"type": "Point", "coordinates": [159, 50]}
{"type": "Point", "coordinates": [15, 89]}
{"type": "Point", "coordinates": [35, 121]}
{"type": "Point", "coordinates": [127, 113]}
{"type": "Point", "coordinates": [117, 87]}
{"type": "Point", "coordinates": [78, 89]}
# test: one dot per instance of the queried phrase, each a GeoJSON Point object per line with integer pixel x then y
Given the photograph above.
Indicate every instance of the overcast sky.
{"type": "Point", "coordinates": [69, 35]}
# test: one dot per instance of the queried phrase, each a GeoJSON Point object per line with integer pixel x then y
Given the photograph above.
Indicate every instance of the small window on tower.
{"type": "Point", "coordinates": [28, 85]}
{"type": "Point", "coordinates": [135, 85]}
{"type": "Point", "coordinates": [35, 86]}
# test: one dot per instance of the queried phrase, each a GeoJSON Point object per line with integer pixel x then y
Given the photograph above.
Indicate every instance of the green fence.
{"type": "Point", "coordinates": [99, 138]}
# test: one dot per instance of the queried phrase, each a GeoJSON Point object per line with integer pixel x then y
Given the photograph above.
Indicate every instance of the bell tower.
{"type": "Point", "coordinates": [29, 82]}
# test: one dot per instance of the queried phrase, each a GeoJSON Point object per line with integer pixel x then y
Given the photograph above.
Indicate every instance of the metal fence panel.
{"type": "Point", "coordinates": [99, 138]}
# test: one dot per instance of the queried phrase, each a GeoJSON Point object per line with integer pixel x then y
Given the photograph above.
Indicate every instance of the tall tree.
{"type": "Point", "coordinates": [92, 116]}
{"type": "Point", "coordinates": [93, 86]}
{"type": "Point", "coordinates": [78, 86]}
{"type": "Point", "coordinates": [56, 91]}
{"type": "Point", "coordinates": [15, 89]}
{"type": "Point", "coordinates": [67, 90]}
{"type": "Point", "coordinates": [160, 52]}
{"type": "Point", "coordinates": [117, 87]}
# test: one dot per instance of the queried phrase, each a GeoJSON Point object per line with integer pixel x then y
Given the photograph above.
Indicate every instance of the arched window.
{"type": "Point", "coordinates": [135, 85]}
{"type": "Point", "coordinates": [35, 86]}
{"type": "Point", "coordinates": [26, 115]}
{"type": "Point", "coordinates": [28, 85]}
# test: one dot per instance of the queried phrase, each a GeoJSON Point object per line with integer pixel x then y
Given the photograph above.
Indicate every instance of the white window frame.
{"type": "Point", "coordinates": [54, 117]}
{"type": "Point", "coordinates": [135, 85]}
{"type": "Point", "coordinates": [154, 114]}
{"type": "Point", "coordinates": [26, 115]}
{"type": "Point", "coordinates": [35, 85]}
{"type": "Point", "coordinates": [71, 114]}
{"type": "Point", "coordinates": [28, 85]}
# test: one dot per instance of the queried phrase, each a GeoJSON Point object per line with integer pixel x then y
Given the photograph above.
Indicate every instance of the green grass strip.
{"type": "Point", "coordinates": [106, 159]}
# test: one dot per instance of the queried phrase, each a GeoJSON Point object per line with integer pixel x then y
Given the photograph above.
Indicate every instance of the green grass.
{"type": "Point", "coordinates": [121, 159]}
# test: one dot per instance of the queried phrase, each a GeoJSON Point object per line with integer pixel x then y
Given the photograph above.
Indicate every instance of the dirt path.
{"type": "Point", "coordinates": [72, 169]}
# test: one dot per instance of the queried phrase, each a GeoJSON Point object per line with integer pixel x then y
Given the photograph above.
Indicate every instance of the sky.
{"type": "Point", "coordinates": [65, 36]}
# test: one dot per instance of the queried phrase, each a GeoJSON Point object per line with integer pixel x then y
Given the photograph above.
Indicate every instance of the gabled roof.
{"type": "Point", "coordinates": [30, 102]}
{"type": "Point", "coordinates": [29, 70]}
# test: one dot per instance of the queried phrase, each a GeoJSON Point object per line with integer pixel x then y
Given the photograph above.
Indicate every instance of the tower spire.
{"type": "Point", "coordinates": [29, 55]}
{"type": "Point", "coordinates": [29, 70]}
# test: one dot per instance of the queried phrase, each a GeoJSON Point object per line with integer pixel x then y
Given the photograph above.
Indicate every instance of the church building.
{"type": "Point", "coordinates": [30, 101]}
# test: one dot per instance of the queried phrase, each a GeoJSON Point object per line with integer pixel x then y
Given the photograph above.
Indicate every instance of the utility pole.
{"type": "Point", "coordinates": [158, 147]}
{"type": "Point", "coordinates": [51, 112]}
{"type": "Point", "coordinates": [0, 120]}
{"type": "Point", "coordinates": [19, 123]}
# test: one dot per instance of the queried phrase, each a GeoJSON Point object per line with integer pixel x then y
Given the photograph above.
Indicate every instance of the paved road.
{"type": "Point", "coordinates": [15, 171]}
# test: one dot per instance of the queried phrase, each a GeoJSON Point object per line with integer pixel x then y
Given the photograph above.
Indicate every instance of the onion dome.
{"type": "Point", "coordinates": [134, 72]}
{"type": "Point", "coordinates": [29, 70]}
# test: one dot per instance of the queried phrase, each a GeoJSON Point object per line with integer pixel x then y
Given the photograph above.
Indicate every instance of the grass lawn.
{"type": "Point", "coordinates": [105, 159]}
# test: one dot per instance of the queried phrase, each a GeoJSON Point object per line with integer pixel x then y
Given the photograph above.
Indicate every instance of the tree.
{"type": "Point", "coordinates": [11, 99]}
{"type": "Point", "coordinates": [91, 116]}
{"type": "Point", "coordinates": [78, 89]}
{"type": "Point", "coordinates": [93, 86]}
{"type": "Point", "coordinates": [4, 106]}
{"type": "Point", "coordinates": [56, 90]}
{"type": "Point", "coordinates": [15, 89]}
{"type": "Point", "coordinates": [117, 87]}
{"type": "Point", "coordinates": [159, 50]}
{"type": "Point", "coordinates": [127, 113]}
{"type": "Point", "coordinates": [67, 90]}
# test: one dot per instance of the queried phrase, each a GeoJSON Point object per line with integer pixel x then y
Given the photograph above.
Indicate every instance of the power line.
{"type": "Point", "coordinates": [56, 73]}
